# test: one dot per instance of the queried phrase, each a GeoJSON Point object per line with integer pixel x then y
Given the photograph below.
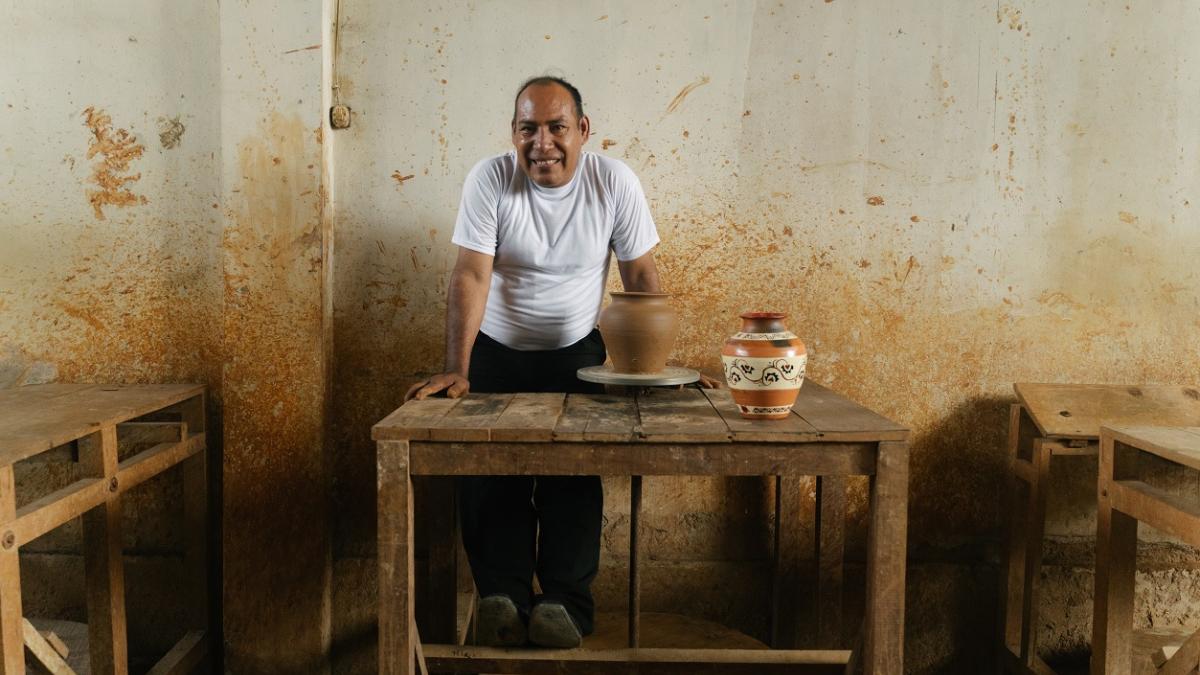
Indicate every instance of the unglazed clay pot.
{"type": "Point", "coordinates": [764, 366]}
{"type": "Point", "coordinates": [639, 331]}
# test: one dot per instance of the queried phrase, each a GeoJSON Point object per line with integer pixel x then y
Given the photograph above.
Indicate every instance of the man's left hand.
{"type": "Point", "coordinates": [707, 382]}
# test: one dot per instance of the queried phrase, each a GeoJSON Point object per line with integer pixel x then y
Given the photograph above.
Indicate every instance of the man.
{"type": "Point", "coordinates": [535, 230]}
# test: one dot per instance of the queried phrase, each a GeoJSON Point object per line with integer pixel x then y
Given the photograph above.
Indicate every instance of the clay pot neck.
{"type": "Point", "coordinates": [763, 322]}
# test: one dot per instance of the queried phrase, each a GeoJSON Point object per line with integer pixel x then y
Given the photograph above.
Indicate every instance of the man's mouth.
{"type": "Point", "coordinates": [544, 163]}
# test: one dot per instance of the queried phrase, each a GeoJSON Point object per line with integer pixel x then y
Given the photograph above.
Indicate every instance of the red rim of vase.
{"type": "Point", "coordinates": [763, 315]}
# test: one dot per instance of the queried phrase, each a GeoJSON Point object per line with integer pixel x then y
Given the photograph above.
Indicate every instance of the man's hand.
{"type": "Point", "coordinates": [707, 382]}
{"type": "Point", "coordinates": [453, 384]}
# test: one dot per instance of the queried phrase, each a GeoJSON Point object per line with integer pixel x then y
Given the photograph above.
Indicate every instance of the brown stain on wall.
{"type": "Point", "coordinates": [117, 150]}
{"type": "Point", "coordinates": [170, 131]}
{"type": "Point", "coordinates": [683, 93]}
{"type": "Point", "coordinates": [275, 483]}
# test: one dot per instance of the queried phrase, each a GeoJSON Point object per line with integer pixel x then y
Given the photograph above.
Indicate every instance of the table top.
{"type": "Point", "coordinates": [655, 416]}
{"type": "Point", "coordinates": [1078, 410]}
{"type": "Point", "coordinates": [1176, 444]}
{"type": "Point", "coordinates": [35, 418]}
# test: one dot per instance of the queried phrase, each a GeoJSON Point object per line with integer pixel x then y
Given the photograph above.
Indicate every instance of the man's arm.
{"type": "Point", "coordinates": [640, 274]}
{"type": "Point", "coordinates": [465, 302]}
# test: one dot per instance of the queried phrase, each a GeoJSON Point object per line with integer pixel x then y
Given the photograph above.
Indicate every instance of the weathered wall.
{"type": "Point", "coordinates": [946, 197]}
{"type": "Point", "coordinates": [162, 213]}
{"type": "Point", "coordinates": [110, 266]}
{"type": "Point", "coordinates": [275, 257]}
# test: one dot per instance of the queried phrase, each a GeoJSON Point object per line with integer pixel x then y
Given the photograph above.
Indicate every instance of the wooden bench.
{"type": "Point", "coordinates": [1062, 421]}
{"type": "Point", "coordinates": [93, 418]}
{"type": "Point", "coordinates": [658, 432]}
{"type": "Point", "coordinates": [1125, 499]}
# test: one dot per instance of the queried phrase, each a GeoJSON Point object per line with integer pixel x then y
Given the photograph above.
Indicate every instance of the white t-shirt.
{"type": "Point", "coordinates": [551, 245]}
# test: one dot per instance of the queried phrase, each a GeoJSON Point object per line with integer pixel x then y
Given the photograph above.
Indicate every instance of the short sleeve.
{"type": "Point", "coordinates": [634, 232]}
{"type": "Point", "coordinates": [475, 227]}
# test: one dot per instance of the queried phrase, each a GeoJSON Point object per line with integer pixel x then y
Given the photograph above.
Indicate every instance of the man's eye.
{"type": "Point", "coordinates": [558, 128]}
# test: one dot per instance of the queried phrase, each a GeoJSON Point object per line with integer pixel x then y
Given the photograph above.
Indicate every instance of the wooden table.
{"type": "Point", "coordinates": [93, 419]}
{"type": "Point", "coordinates": [657, 432]}
{"type": "Point", "coordinates": [1062, 420]}
{"type": "Point", "coordinates": [1124, 501]}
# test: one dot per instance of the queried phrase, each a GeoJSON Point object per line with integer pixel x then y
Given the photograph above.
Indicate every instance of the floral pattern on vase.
{"type": "Point", "coordinates": [764, 366]}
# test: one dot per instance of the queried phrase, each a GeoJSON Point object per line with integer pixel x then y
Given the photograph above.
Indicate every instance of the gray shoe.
{"type": "Point", "coordinates": [550, 625]}
{"type": "Point", "coordinates": [498, 623]}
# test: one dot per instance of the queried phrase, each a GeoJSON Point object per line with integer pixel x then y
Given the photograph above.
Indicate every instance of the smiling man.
{"type": "Point", "coordinates": [536, 229]}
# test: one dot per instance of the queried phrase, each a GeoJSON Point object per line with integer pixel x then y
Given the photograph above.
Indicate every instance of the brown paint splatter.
{"type": "Point", "coordinates": [86, 316]}
{"type": "Point", "coordinates": [1127, 217]}
{"type": "Point", "coordinates": [602, 17]}
{"type": "Point", "coordinates": [875, 201]}
{"type": "Point", "coordinates": [396, 176]}
{"type": "Point", "coordinates": [683, 93]}
{"type": "Point", "coordinates": [607, 143]}
{"type": "Point", "coordinates": [302, 49]}
{"type": "Point", "coordinates": [915, 219]}
{"type": "Point", "coordinates": [117, 149]}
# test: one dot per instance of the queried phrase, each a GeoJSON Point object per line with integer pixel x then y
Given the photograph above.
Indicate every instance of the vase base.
{"type": "Point", "coordinates": [774, 412]}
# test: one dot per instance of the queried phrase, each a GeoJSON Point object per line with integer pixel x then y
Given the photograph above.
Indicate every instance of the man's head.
{"type": "Point", "coordinates": [549, 130]}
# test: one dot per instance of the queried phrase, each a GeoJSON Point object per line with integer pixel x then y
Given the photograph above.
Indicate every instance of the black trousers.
{"type": "Point", "coordinates": [514, 526]}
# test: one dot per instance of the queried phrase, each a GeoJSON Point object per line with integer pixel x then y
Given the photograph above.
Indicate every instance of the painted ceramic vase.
{"type": "Point", "coordinates": [764, 366]}
{"type": "Point", "coordinates": [639, 331]}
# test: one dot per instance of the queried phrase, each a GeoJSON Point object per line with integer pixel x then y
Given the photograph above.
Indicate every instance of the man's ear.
{"type": "Point", "coordinates": [585, 128]}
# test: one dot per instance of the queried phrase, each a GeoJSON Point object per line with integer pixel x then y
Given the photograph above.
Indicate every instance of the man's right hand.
{"type": "Point", "coordinates": [453, 384]}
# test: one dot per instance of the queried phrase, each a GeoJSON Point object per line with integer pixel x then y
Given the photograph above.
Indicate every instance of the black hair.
{"type": "Point", "coordinates": [550, 79]}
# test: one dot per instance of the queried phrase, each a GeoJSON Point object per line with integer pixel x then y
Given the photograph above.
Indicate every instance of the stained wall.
{"type": "Point", "coordinates": [163, 217]}
{"type": "Point", "coordinates": [110, 263]}
{"type": "Point", "coordinates": [946, 198]}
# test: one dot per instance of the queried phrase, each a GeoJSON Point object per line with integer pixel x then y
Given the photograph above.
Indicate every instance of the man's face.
{"type": "Point", "coordinates": [547, 135]}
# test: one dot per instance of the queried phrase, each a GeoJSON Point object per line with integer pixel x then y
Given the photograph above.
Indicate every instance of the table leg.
{"type": "Point", "coordinates": [830, 544]}
{"type": "Point", "coordinates": [104, 568]}
{"type": "Point", "coordinates": [1035, 527]}
{"type": "Point", "coordinates": [1116, 561]}
{"type": "Point", "coordinates": [396, 617]}
{"type": "Point", "coordinates": [887, 543]}
{"type": "Point", "coordinates": [12, 646]}
{"type": "Point", "coordinates": [635, 578]}
{"type": "Point", "coordinates": [1021, 432]}
{"type": "Point", "coordinates": [196, 523]}
{"type": "Point", "coordinates": [776, 567]}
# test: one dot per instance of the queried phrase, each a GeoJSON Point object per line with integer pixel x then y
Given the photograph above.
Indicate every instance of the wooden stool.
{"type": "Point", "coordinates": [35, 419]}
{"type": "Point", "coordinates": [1124, 500]}
{"type": "Point", "coordinates": [1057, 420]}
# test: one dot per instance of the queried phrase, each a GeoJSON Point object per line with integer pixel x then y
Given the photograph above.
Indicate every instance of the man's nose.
{"type": "Point", "coordinates": [543, 138]}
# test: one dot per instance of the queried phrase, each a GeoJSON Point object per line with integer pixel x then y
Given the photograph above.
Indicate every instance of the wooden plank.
{"type": "Point", "coordinates": [43, 651]}
{"type": "Point", "coordinates": [635, 578]}
{"type": "Point", "coordinates": [395, 556]}
{"type": "Point", "coordinates": [529, 417]}
{"type": "Point", "coordinates": [1021, 431]}
{"type": "Point", "coordinates": [1153, 506]}
{"type": "Point", "coordinates": [56, 643]}
{"type": "Point", "coordinates": [12, 643]}
{"type": "Point", "coordinates": [201, 590]}
{"type": "Point", "coordinates": [48, 512]}
{"type": "Point", "coordinates": [831, 413]}
{"type": "Point", "coordinates": [830, 543]}
{"type": "Point", "coordinates": [1180, 445]}
{"type": "Point", "coordinates": [644, 459]}
{"type": "Point", "coordinates": [791, 590]}
{"type": "Point", "coordinates": [34, 419]}
{"type": "Point", "coordinates": [104, 570]}
{"type": "Point", "coordinates": [414, 419]}
{"type": "Point", "coordinates": [471, 419]}
{"type": "Point", "coordinates": [794, 428]}
{"type": "Point", "coordinates": [1035, 524]}
{"type": "Point", "coordinates": [147, 464]}
{"type": "Point", "coordinates": [887, 544]}
{"type": "Point", "coordinates": [679, 416]}
{"type": "Point", "coordinates": [1184, 659]}
{"type": "Point", "coordinates": [1116, 565]}
{"type": "Point", "coordinates": [184, 657]}
{"type": "Point", "coordinates": [1078, 410]}
{"type": "Point", "coordinates": [597, 417]}
{"type": "Point", "coordinates": [642, 661]}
